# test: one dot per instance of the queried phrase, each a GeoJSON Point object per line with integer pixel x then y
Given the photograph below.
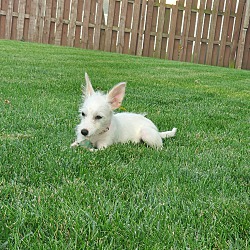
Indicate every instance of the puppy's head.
{"type": "Point", "coordinates": [97, 109]}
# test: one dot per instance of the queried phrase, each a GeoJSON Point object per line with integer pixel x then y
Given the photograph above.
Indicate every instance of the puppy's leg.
{"type": "Point", "coordinates": [79, 137]}
{"type": "Point", "coordinates": [74, 144]}
{"type": "Point", "coordinates": [151, 137]}
{"type": "Point", "coordinates": [168, 134]}
{"type": "Point", "coordinates": [102, 145]}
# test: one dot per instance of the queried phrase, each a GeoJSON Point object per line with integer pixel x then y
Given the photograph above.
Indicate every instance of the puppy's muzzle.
{"type": "Point", "coordinates": [84, 132]}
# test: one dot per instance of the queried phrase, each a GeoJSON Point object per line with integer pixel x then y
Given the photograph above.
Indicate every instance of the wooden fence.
{"type": "Point", "coordinates": [214, 32]}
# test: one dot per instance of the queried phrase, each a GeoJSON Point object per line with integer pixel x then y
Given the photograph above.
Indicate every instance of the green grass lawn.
{"type": "Point", "coordinates": [194, 194]}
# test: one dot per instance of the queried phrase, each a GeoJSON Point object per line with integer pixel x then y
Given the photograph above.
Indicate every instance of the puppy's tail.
{"type": "Point", "coordinates": [168, 134]}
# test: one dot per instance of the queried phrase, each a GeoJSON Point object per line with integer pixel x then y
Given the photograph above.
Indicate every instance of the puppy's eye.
{"type": "Point", "coordinates": [83, 114]}
{"type": "Point", "coordinates": [98, 117]}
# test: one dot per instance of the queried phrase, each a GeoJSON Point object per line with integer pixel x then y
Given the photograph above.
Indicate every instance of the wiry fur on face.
{"type": "Point", "coordinates": [95, 113]}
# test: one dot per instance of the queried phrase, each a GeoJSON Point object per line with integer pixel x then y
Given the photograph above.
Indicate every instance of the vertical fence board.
{"type": "Point", "coordinates": [108, 31]}
{"type": "Point", "coordinates": [246, 54]}
{"type": "Point", "coordinates": [191, 35]}
{"type": "Point", "coordinates": [47, 18]}
{"type": "Point", "coordinates": [159, 34]}
{"type": "Point", "coordinates": [236, 33]}
{"type": "Point", "coordinates": [224, 33]}
{"type": "Point", "coordinates": [78, 26]}
{"type": "Point", "coordinates": [135, 27]}
{"type": "Point", "coordinates": [228, 47]}
{"type": "Point", "coordinates": [59, 22]}
{"type": "Point", "coordinates": [177, 41]}
{"type": "Point", "coordinates": [20, 20]}
{"type": "Point", "coordinates": [32, 21]}
{"type": "Point", "coordinates": [26, 20]}
{"type": "Point", "coordinates": [149, 17]}
{"type": "Point", "coordinates": [174, 16]}
{"type": "Point", "coordinates": [115, 23]}
{"type": "Point", "coordinates": [184, 36]}
{"type": "Point", "coordinates": [244, 41]}
{"type": "Point", "coordinates": [102, 32]}
{"type": "Point", "coordinates": [246, 27]}
{"type": "Point", "coordinates": [153, 29]}
{"type": "Point", "coordinates": [121, 28]}
{"type": "Point", "coordinates": [85, 28]}
{"type": "Point", "coordinates": [128, 22]}
{"type": "Point", "coordinates": [98, 24]}
{"type": "Point", "coordinates": [204, 39]}
{"type": "Point", "coordinates": [9, 14]}
{"type": "Point", "coordinates": [212, 32]}
{"type": "Point", "coordinates": [65, 24]}
{"type": "Point", "coordinates": [91, 28]}
{"type": "Point", "coordinates": [140, 48]}
{"type": "Point", "coordinates": [39, 22]}
{"type": "Point", "coordinates": [4, 6]}
{"type": "Point", "coordinates": [198, 37]}
{"type": "Point", "coordinates": [165, 33]}
{"type": "Point", "coordinates": [72, 24]}
{"type": "Point", "coordinates": [13, 34]}
{"type": "Point", "coordinates": [53, 22]}
{"type": "Point", "coordinates": [217, 34]}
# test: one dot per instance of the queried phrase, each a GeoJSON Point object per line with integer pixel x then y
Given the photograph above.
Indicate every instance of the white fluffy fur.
{"type": "Point", "coordinates": [103, 128]}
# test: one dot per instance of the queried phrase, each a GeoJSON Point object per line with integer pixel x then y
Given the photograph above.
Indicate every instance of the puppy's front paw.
{"type": "Point", "coordinates": [174, 130]}
{"type": "Point", "coordinates": [74, 144]}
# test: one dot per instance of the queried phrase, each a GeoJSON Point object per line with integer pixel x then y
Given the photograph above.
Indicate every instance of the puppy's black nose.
{"type": "Point", "coordinates": [84, 132]}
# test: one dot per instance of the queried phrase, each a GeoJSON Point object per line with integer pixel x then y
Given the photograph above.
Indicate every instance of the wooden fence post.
{"type": "Point", "coordinates": [9, 20]}
{"type": "Point", "coordinates": [108, 31]}
{"type": "Point", "coordinates": [236, 34]}
{"type": "Point", "coordinates": [72, 23]}
{"type": "Point", "coordinates": [161, 19]}
{"type": "Point", "coordinates": [78, 25]}
{"type": "Point", "coordinates": [200, 20]}
{"type": "Point", "coordinates": [121, 28]}
{"type": "Point", "coordinates": [85, 27]}
{"type": "Point", "coordinates": [135, 27]}
{"type": "Point", "coordinates": [47, 17]}
{"type": "Point", "coordinates": [32, 21]}
{"type": "Point", "coordinates": [149, 16]}
{"type": "Point", "coordinates": [59, 22]}
{"type": "Point", "coordinates": [141, 29]}
{"type": "Point", "coordinates": [172, 29]}
{"type": "Point", "coordinates": [185, 32]}
{"type": "Point", "coordinates": [244, 27]}
{"type": "Point", "coordinates": [13, 35]}
{"type": "Point", "coordinates": [212, 32]}
{"type": "Point", "coordinates": [224, 34]}
{"type": "Point", "coordinates": [20, 20]}
{"type": "Point", "coordinates": [98, 25]}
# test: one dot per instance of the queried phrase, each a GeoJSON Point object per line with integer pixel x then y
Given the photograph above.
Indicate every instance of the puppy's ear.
{"type": "Point", "coordinates": [88, 90]}
{"type": "Point", "coordinates": [116, 95]}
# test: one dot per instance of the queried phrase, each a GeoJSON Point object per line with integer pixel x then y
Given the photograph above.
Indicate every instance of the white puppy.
{"type": "Point", "coordinates": [102, 128]}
